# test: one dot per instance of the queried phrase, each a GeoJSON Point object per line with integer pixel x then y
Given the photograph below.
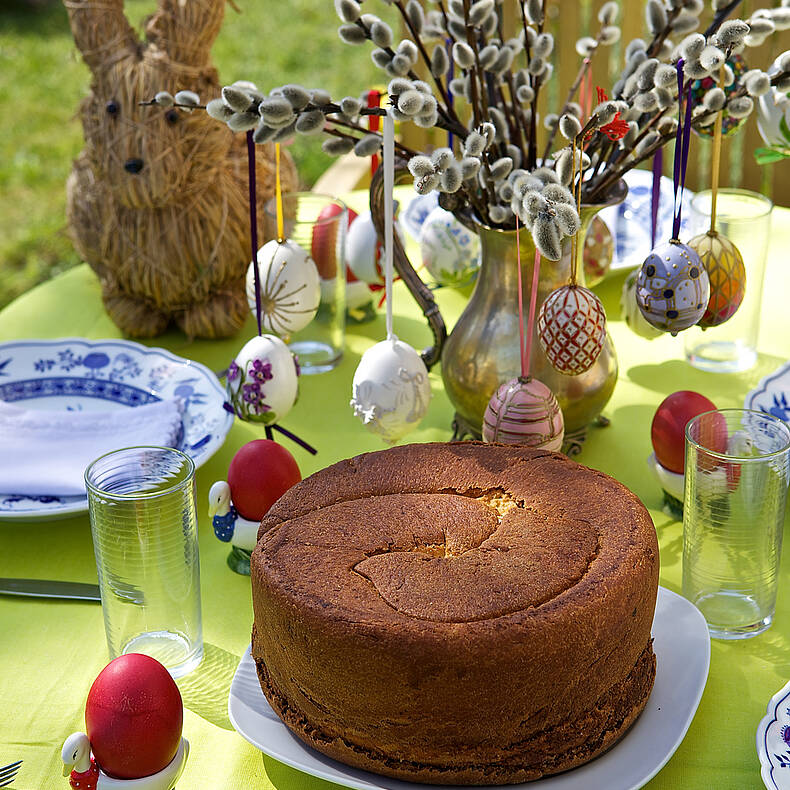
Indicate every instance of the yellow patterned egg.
{"type": "Point", "coordinates": [726, 273]}
{"type": "Point", "coordinates": [598, 252]}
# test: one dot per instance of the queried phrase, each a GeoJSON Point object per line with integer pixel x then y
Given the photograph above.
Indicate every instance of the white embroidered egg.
{"type": "Point", "coordinates": [391, 391]}
{"type": "Point", "coordinates": [262, 381]}
{"type": "Point", "coordinates": [524, 411]}
{"type": "Point", "coordinates": [672, 287]}
{"type": "Point", "coordinates": [364, 251]}
{"type": "Point", "coordinates": [630, 312]}
{"type": "Point", "coordinates": [289, 287]}
{"type": "Point", "coordinates": [450, 251]}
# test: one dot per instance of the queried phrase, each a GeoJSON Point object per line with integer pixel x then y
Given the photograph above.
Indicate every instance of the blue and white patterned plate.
{"type": "Point", "coordinates": [630, 221]}
{"type": "Point", "coordinates": [100, 375]}
{"type": "Point", "coordinates": [773, 742]}
{"type": "Point", "coordinates": [772, 394]}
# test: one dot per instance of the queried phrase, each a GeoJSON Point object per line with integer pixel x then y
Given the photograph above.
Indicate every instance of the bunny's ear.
{"type": "Point", "coordinates": [186, 29]}
{"type": "Point", "coordinates": [101, 31]}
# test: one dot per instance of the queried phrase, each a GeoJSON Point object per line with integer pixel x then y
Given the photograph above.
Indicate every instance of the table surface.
{"type": "Point", "coordinates": [50, 652]}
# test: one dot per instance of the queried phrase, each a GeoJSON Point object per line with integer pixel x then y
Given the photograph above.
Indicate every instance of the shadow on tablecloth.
{"type": "Point", "coordinates": [205, 691]}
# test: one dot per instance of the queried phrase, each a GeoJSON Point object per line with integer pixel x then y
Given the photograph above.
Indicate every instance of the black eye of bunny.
{"type": "Point", "coordinates": [112, 107]}
{"type": "Point", "coordinates": [172, 116]}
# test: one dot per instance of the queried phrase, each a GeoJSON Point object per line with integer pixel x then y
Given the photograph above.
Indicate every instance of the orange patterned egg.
{"type": "Point", "coordinates": [726, 273]}
{"type": "Point", "coordinates": [572, 328]}
{"type": "Point", "coordinates": [598, 251]}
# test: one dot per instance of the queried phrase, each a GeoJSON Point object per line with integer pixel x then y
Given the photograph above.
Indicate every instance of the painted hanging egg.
{"type": "Point", "coordinates": [699, 88]}
{"type": "Point", "coordinates": [364, 250]}
{"type": "Point", "coordinates": [290, 287]}
{"type": "Point", "coordinates": [773, 118]}
{"type": "Point", "coordinates": [262, 381]}
{"type": "Point", "coordinates": [672, 288]}
{"type": "Point", "coordinates": [450, 251]}
{"type": "Point", "coordinates": [572, 328]}
{"type": "Point", "coordinates": [630, 312]}
{"type": "Point", "coordinates": [524, 411]}
{"type": "Point", "coordinates": [726, 274]}
{"type": "Point", "coordinates": [391, 390]}
{"type": "Point", "coordinates": [598, 251]}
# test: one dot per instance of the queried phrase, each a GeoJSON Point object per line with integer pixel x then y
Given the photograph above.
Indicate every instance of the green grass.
{"type": "Point", "coordinates": [42, 80]}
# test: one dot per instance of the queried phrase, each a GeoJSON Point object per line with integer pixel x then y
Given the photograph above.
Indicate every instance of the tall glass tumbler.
{"type": "Point", "coordinates": [144, 526]}
{"type": "Point", "coordinates": [319, 225]}
{"type": "Point", "coordinates": [737, 474]}
{"type": "Point", "coordinates": [745, 219]}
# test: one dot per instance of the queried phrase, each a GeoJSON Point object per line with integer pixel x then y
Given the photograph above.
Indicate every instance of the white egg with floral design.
{"type": "Point", "coordinates": [262, 381]}
{"type": "Point", "coordinates": [391, 391]}
{"type": "Point", "coordinates": [289, 285]}
{"type": "Point", "coordinates": [450, 251]}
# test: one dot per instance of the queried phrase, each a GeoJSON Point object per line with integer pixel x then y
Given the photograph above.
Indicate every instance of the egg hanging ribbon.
{"type": "Point", "coordinates": [390, 389]}
{"type": "Point", "coordinates": [254, 224]}
{"type": "Point", "coordinates": [681, 151]}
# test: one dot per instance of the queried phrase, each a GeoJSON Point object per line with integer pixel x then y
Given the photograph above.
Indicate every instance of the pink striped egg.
{"type": "Point", "coordinates": [524, 411]}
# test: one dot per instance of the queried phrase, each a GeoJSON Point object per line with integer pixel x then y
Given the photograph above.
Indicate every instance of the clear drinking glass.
{"type": "Point", "coordinates": [745, 219]}
{"type": "Point", "coordinates": [319, 224]}
{"type": "Point", "coordinates": [144, 527]}
{"type": "Point", "coordinates": [737, 473]}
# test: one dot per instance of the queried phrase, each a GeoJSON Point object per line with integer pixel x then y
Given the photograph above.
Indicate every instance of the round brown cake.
{"type": "Point", "coordinates": [456, 613]}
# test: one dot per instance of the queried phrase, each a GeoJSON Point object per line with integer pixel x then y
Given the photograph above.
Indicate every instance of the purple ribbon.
{"type": "Point", "coordinates": [655, 197]}
{"type": "Point", "coordinates": [682, 140]}
{"type": "Point", "coordinates": [293, 437]}
{"type": "Point", "coordinates": [254, 225]}
{"type": "Point", "coordinates": [450, 75]}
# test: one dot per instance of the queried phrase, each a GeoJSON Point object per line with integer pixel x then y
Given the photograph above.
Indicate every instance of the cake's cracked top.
{"type": "Point", "coordinates": [450, 533]}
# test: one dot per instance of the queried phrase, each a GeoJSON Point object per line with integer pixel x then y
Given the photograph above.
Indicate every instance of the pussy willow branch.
{"type": "Point", "coordinates": [427, 59]}
{"type": "Point", "coordinates": [721, 15]}
{"type": "Point", "coordinates": [583, 69]}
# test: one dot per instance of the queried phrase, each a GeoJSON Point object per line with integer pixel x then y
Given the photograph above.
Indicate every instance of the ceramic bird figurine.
{"type": "Point", "coordinates": [231, 527]}
{"type": "Point", "coordinates": [84, 774]}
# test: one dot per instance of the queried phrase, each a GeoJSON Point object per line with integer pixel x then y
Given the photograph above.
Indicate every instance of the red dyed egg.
{"type": "Point", "coordinates": [668, 431]}
{"type": "Point", "coordinates": [133, 717]}
{"type": "Point", "coordinates": [324, 240]}
{"type": "Point", "coordinates": [259, 474]}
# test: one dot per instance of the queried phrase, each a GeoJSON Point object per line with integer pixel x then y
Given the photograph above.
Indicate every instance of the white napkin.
{"type": "Point", "coordinates": [46, 452]}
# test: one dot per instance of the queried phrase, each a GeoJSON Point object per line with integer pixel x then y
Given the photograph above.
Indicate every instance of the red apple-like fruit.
{"type": "Point", "coordinates": [668, 431]}
{"type": "Point", "coordinates": [133, 717]}
{"type": "Point", "coordinates": [259, 474]}
{"type": "Point", "coordinates": [324, 240]}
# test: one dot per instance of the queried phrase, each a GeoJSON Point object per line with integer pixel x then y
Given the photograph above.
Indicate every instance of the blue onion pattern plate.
{"type": "Point", "coordinates": [773, 742]}
{"type": "Point", "coordinates": [100, 375]}
{"type": "Point", "coordinates": [772, 394]}
{"type": "Point", "coordinates": [630, 221]}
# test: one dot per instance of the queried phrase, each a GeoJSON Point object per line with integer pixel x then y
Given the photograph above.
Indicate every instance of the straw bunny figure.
{"type": "Point", "coordinates": [158, 199]}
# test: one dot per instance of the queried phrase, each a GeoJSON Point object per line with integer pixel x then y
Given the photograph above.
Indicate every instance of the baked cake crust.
{"type": "Point", "coordinates": [456, 613]}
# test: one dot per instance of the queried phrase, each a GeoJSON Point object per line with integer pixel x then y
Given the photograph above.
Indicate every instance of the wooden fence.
{"type": "Point", "coordinates": [568, 20]}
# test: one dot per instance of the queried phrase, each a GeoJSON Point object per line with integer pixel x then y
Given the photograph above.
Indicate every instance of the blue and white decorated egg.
{"type": "Point", "coordinates": [450, 251]}
{"type": "Point", "coordinates": [672, 287]}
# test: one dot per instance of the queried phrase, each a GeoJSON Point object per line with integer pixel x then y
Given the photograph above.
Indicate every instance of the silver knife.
{"type": "Point", "coordinates": [45, 588]}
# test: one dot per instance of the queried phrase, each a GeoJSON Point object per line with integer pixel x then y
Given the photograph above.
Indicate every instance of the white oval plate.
{"type": "Point", "coordinates": [100, 375]}
{"type": "Point", "coordinates": [773, 742]}
{"type": "Point", "coordinates": [772, 394]}
{"type": "Point", "coordinates": [682, 647]}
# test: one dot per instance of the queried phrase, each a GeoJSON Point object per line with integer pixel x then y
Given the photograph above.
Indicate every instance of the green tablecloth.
{"type": "Point", "coordinates": [50, 652]}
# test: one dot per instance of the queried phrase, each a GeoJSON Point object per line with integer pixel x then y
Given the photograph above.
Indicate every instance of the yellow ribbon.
{"type": "Point", "coordinates": [278, 194]}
